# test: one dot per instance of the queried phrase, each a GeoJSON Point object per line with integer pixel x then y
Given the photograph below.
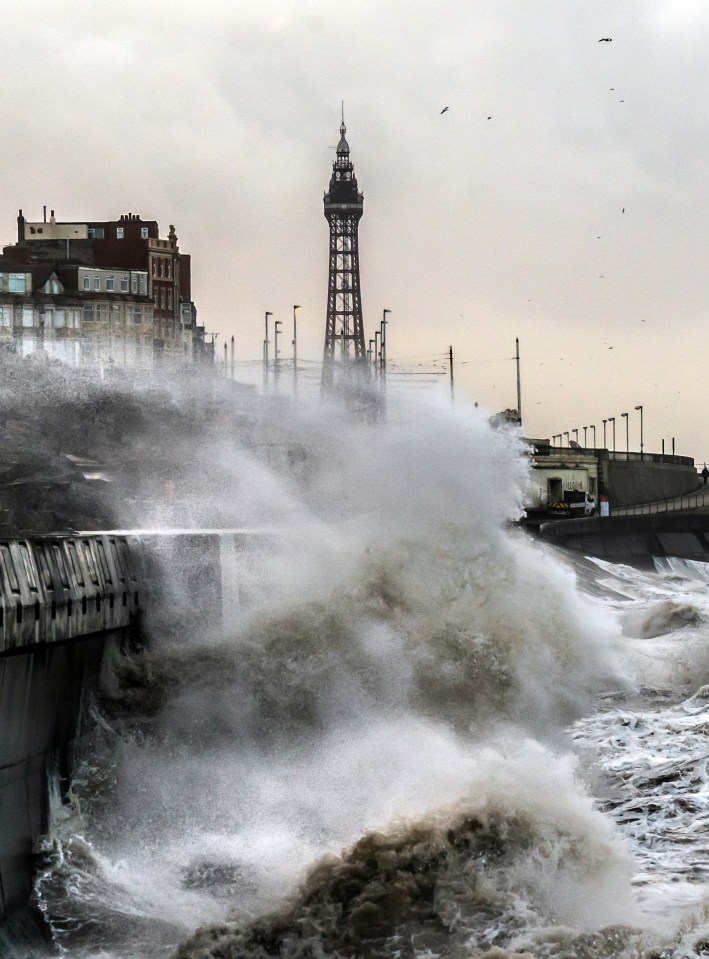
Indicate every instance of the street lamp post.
{"type": "Point", "coordinates": [640, 408]}
{"type": "Point", "coordinates": [584, 436]}
{"type": "Point", "coordinates": [576, 434]}
{"type": "Point", "coordinates": [593, 427]}
{"type": "Point", "coordinates": [384, 343]}
{"type": "Point", "coordinates": [295, 348]}
{"type": "Point", "coordinates": [604, 434]}
{"type": "Point", "coordinates": [265, 349]}
{"type": "Point", "coordinates": [611, 419]}
{"type": "Point", "coordinates": [276, 362]}
{"type": "Point", "coordinates": [567, 438]}
{"type": "Point", "coordinates": [377, 351]}
{"type": "Point", "coordinates": [627, 433]}
{"type": "Point", "coordinates": [370, 351]}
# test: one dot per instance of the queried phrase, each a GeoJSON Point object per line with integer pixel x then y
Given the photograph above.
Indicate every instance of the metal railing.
{"type": "Point", "coordinates": [696, 500]}
{"type": "Point", "coordinates": [617, 456]}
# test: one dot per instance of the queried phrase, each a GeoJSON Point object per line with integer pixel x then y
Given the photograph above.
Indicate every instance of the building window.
{"type": "Point", "coordinates": [27, 316]}
{"type": "Point", "coordinates": [87, 282]}
{"type": "Point", "coordinates": [59, 319]}
{"type": "Point", "coordinates": [6, 315]}
{"type": "Point", "coordinates": [137, 314]}
{"type": "Point", "coordinates": [124, 284]}
{"type": "Point", "coordinates": [17, 283]}
{"type": "Point", "coordinates": [168, 264]}
{"type": "Point", "coordinates": [88, 312]}
{"type": "Point", "coordinates": [48, 318]}
{"type": "Point", "coordinates": [169, 299]}
{"type": "Point", "coordinates": [133, 283]}
{"type": "Point", "coordinates": [97, 282]}
{"type": "Point", "coordinates": [109, 284]}
{"type": "Point", "coordinates": [96, 233]}
{"type": "Point", "coordinates": [119, 232]}
{"type": "Point", "coordinates": [144, 232]}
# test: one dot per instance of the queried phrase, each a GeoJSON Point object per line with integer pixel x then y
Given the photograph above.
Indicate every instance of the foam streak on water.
{"type": "Point", "coordinates": [394, 749]}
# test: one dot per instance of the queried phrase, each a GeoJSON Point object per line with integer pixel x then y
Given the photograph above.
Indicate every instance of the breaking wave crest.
{"type": "Point", "coordinates": [493, 870]}
{"type": "Point", "coordinates": [660, 618]}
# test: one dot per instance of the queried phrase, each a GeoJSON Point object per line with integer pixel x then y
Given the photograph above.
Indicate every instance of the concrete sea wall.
{"type": "Point", "coordinates": [634, 539]}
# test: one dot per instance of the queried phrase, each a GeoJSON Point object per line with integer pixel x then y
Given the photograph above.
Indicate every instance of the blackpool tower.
{"type": "Point", "coordinates": [344, 331]}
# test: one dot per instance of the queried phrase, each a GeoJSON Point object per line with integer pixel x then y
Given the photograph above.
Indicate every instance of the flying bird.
{"type": "Point", "coordinates": [489, 118]}
{"type": "Point", "coordinates": [606, 40]}
{"type": "Point", "coordinates": [444, 109]}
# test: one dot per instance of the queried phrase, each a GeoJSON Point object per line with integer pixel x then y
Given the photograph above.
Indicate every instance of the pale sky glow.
{"type": "Point", "coordinates": [221, 117]}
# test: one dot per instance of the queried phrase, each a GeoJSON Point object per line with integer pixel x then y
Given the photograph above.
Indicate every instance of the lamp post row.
{"type": "Point", "coordinates": [609, 419]}
{"type": "Point", "coordinates": [378, 358]}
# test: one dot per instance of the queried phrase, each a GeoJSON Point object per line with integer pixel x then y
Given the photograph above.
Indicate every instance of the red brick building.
{"type": "Point", "coordinates": [110, 292]}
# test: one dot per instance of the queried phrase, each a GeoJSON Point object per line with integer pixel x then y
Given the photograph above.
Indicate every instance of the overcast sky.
{"type": "Point", "coordinates": [221, 117]}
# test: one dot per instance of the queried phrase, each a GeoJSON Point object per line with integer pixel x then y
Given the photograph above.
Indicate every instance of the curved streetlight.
{"type": "Point", "coordinates": [593, 427]}
{"type": "Point", "coordinates": [276, 362]}
{"type": "Point", "coordinates": [584, 436]}
{"type": "Point", "coordinates": [627, 433]}
{"type": "Point", "coordinates": [604, 434]}
{"type": "Point", "coordinates": [383, 328]}
{"type": "Point", "coordinates": [576, 434]}
{"type": "Point", "coordinates": [611, 419]}
{"type": "Point", "coordinates": [640, 408]}
{"type": "Point", "coordinates": [567, 438]}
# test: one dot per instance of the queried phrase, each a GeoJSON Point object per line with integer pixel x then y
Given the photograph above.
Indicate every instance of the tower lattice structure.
{"type": "Point", "coordinates": [344, 330]}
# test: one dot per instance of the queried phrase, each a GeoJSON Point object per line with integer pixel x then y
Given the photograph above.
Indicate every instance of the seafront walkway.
{"type": "Point", "coordinates": [696, 500]}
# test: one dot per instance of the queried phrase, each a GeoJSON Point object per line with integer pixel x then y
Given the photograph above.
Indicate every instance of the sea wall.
{"type": "Point", "coordinates": [632, 480]}
{"type": "Point", "coordinates": [64, 601]}
{"type": "Point", "coordinates": [634, 539]}
{"type": "Point", "coordinates": [42, 692]}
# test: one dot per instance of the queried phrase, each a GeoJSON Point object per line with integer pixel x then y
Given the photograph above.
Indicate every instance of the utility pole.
{"type": "Point", "coordinates": [450, 366]}
{"type": "Point", "coordinates": [519, 383]}
{"type": "Point", "coordinates": [295, 349]}
{"type": "Point", "coordinates": [226, 362]}
{"type": "Point", "coordinates": [232, 357]}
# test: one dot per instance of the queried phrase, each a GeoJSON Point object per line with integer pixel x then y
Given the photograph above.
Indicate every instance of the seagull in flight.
{"type": "Point", "coordinates": [444, 109]}
{"type": "Point", "coordinates": [606, 40]}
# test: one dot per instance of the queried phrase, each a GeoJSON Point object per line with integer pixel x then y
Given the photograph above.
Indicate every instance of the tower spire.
{"type": "Point", "coordinates": [343, 207]}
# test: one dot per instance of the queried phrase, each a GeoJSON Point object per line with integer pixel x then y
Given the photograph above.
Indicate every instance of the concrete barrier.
{"type": "Point", "coordinates": [634, 539]}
